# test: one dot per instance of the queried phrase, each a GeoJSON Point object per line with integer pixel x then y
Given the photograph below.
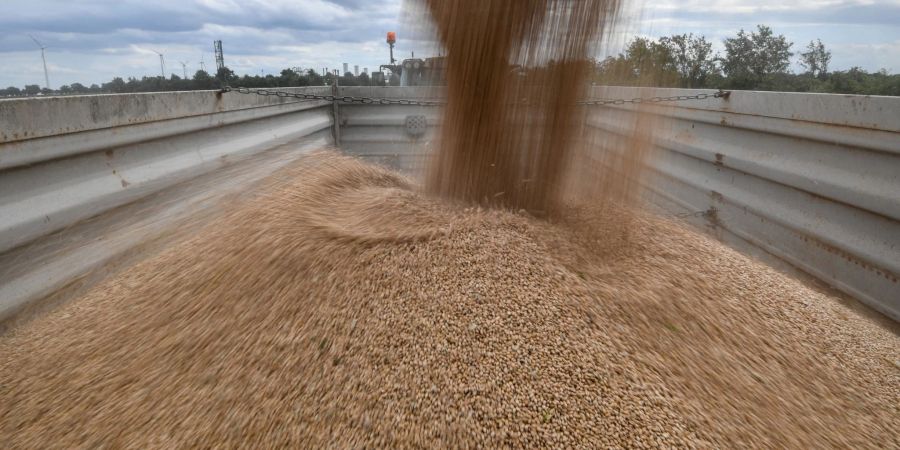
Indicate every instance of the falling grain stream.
{"type": "Point", "coordinates": [511, 301]}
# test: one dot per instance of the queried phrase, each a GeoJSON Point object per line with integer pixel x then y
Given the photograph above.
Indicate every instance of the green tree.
{"type": "Point", "coordinates": [315, 79]}
{"type": "Point", "coordinates": [32, 89]}
{"type": "Point", "coordinates": [815, 59]}
{"type": "Point", "coordinates": [289, 77]}
{"type": "Point", "coordinates": [645, 62]}
{"type": "Point", "coordinates": [651, 62]}
{"type": "Point", "coordinates": [116, 85]}
{"type": "Point", "coordinates": [202, 80]}
{"type": "Point", "coordinates": [751, 59]}
{"type": "Point", "coordinates": [226, 75]}
{"type": "Point", "coordinates": [692, 57]}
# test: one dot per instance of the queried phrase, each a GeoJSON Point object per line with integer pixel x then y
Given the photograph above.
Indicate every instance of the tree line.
{"type": "Point", "coordinates": [293, 77]}
{"type": "Point", "coordinates": [754, 60]}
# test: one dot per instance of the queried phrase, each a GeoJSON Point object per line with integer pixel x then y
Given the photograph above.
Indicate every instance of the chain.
{"type": "Point", "coordinates": [334, 98]}
{"type": "Point", "coordinates": [710, 214]}
{"type": "Point", "coordinates": [685, 215]}
{"type": "Point", "coordinates": [674, 98]}
{"type": "Point", "coordinates": [401, 101]}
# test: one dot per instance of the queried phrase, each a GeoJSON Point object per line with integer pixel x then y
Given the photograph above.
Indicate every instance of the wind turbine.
{"type": "Point", "coordinates": [162, 63]}
{"type": "Point", "coordinates": [44, 59]}
{"type": "Point", "coordinates": [184, 68]}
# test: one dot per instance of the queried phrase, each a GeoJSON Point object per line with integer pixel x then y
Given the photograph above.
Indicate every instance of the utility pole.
{"type": "Point", "coordinates": [202, 64]}
{"type": "Point", "coordinates": [44, 59]}
{"type": "Point", "coordinates": [162, 63]}
{"type": "Point", "coordinates": [184, 68]}
{"type": "Point", "coordinates": [335, 111]}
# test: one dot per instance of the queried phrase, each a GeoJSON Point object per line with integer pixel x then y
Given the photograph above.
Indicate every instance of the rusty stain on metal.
{"type": "Point", "coordinates": [719, 158]}
{"type": "Point", "coordinates": [850, 258]}
{"type": "Point", "coordinates": [712, 218]}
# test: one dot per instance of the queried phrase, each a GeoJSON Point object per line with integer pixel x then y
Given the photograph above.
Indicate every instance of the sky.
{"type": "Point", "coordinates": [92, 41]}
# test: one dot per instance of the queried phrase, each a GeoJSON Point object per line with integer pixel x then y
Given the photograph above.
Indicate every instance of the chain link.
{"type": "Point", "coordinates": [414, 102]}
{"type": "Point", "coordinates": [703, 213]}
{"type": "Point", "coordinates": [638, 100]}
{"type": "Point", "coordinates": [335, 98]}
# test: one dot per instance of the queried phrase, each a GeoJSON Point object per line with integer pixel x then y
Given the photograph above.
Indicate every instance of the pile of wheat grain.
{"type": "Point", "coordinates": [341, 308]}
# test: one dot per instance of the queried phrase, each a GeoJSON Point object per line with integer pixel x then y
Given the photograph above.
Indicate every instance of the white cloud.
{"type": "Point", "coordinates": [749, 7]}
{"type": "Point", "coordinates": [92, 41]}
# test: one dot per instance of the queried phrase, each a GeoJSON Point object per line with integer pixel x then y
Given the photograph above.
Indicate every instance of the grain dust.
{"type": "Point", "coordinates": [515, 71]}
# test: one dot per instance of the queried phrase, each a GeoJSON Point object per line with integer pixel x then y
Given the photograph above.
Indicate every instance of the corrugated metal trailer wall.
{"type": "Point", "coordinates": [810, 179]}
{"type": "Point", "coordinates": [64, 160]}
